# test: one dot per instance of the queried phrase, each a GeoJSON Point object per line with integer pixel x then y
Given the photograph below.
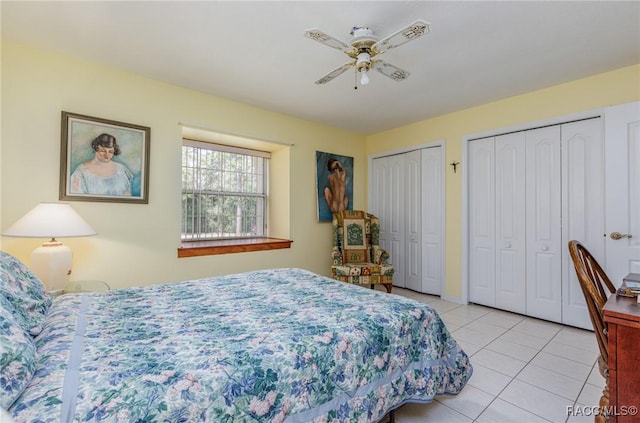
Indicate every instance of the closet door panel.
{"type": "Point", "coordinates": [622, 129]}
{"type": "Point", "coordinates": [582, 208]}
{"type": "Point", "coordinates": [510, 218]}
{"type": "Point", "coordinates": [412, 206]}
{"type": "Point", "coordinates": [543, 226]}
{"type": "Point", "coordinates": [432, 222]}
{"type": "Point", "coordinates": [381, 190]}
{"type": "Point", "coordinates": [396, 217]}
{"type": "Point", "coordinates": [482, 263]}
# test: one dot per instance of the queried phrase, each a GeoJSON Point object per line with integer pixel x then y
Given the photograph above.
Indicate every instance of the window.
{"type": "Point", "coordinates": [224, 192]}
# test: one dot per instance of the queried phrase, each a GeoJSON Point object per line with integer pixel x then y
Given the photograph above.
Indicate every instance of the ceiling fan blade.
{"type": "Point", "coordinates": [404, 35]}
{"type": "Point", "coordinates": [390, 71]}
{"type": "Point", "coordinates": [327, 40]}
{"type": "Point", "coordinates": [334, 73]}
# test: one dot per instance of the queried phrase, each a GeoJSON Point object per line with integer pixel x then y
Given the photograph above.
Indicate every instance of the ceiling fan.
{"type": "Point", "coordinates": [364, 46]}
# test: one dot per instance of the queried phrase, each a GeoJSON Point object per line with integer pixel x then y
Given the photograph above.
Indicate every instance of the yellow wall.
{"type": "Point", "coordinates": [616, 87]}
{"type": "Point", "coordinates": [136, 244]}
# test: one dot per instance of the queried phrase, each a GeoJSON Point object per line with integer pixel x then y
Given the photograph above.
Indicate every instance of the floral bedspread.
{"type": "Point", "coordinates": [281, 345]}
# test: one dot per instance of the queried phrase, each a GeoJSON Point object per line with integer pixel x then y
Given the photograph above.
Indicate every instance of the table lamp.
{"type": "Point", "coordinates": [52, 261]}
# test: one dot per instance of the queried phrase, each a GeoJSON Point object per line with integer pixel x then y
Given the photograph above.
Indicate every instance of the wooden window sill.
{"type": "Point", "coordinates": [229, 246]}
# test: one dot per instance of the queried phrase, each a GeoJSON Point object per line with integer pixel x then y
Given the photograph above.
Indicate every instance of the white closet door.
{"type": "Point", "coordinates": [482, 262]}
{"type": "Point", "coordinates": [380, 191]}
{"type": "Point", "coordinates": [412, 205]}
{"type": "Point", "coordinates": [582, 208]}
{"type": "Point", "coordinates": [396, 218]}
{"type": "Point", "coordinates": [622, 126]}
{"type": "Point", "coordinates": [543, 226]}
{"type": "Point", "coordinates": [510, 152]}
{"type": "Point", "coordinates": [432, 221]}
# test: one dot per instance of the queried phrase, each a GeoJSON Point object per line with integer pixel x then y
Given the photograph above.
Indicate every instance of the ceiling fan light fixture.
{"type": "Point", "coordinates": [363, 61]}
{"type": "Point", "coordinates": [364, 46]}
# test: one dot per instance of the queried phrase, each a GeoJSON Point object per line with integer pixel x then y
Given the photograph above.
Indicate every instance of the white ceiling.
{"type": "Point", "coordinates": [256, 52]}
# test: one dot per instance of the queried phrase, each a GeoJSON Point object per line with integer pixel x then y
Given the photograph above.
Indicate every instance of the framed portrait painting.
{"type": "Point", "coordinates": [103, 160]}
{"type": "Point", "coordinates": [334, 182]}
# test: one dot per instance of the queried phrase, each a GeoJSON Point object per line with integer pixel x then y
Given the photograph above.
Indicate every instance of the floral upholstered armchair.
{"type": "Point", "coordinates": [356, 256]}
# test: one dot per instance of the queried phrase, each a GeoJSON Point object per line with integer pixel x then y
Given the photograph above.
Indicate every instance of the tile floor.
{"type": "Point", "coordinates": [525, 369]}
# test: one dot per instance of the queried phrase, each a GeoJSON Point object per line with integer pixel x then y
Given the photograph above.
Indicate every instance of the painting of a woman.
{"type": "Point", "coordinates": [101, 175]}
{"type": "Point", "coordinates": [103, 160]}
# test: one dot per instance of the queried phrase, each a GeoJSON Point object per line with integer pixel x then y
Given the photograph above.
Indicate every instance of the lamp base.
{"type": "Point", "coordinates": [52, 264]}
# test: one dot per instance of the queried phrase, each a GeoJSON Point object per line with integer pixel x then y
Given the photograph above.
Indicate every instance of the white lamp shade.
{"type": "Point", "coordinates": [50, 220]}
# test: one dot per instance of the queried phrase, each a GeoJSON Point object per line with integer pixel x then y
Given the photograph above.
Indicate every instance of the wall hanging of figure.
{"type": "Point", "coordinates": [334, 182]}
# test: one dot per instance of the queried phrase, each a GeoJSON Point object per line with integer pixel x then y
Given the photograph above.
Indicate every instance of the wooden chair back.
{"type": "Point", "coordinates": [596, 287]}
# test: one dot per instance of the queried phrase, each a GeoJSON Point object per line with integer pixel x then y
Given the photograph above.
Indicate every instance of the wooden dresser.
{"type": "Point", "coordinates": [622, 316]}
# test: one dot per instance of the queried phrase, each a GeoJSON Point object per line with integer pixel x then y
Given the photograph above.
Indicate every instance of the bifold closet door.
{"type": "Point", "coordinates": [413, 220]}
{"type": "Point", "coordinates": [582, 208]}
{"type": "Point", "coordinates": [510, 215]}
{"type": "Point", "coordinates": [380, 190]}
{"type": "Point", "coordinates": [497, 215]}
{"type": "Point", "coordinates": [432, 220]}
{"type": "Point", "coordinates": [514, 222]}
{"type": "Point", "coordinates": [530, 192]}
{"type": "Point", "coordinates": [482, 217]}
{"type": "Point", "coordinates": [543, 224]}
{"type": "Point", "coordinates": [408, 197]}
{"type": "Point", "coordinates": [388, 204]}
{"type": "Point", "coordinates": [622, 126]}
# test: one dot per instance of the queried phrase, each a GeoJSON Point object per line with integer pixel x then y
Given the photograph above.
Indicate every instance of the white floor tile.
{"type": "Point", "coordinates": [442, 306]}
{"type": "Point", "coordinates": [526, 339]}
{"type": "Point", "coordinates": [469, 348]}
{"type": "Point", "coordinates": [470, 402]}
{"type": "Point", "coordinates": [536, 400]}
{"type": "Point", "coordinates": [590, 394]}
{"type": "Point", "coordinates": [562, 365]}
{"type": "Point", "coordinates": [541, 328]}
{"type": "Point", "coordinates": [518, 351]}
{"type": "Point", "coordinates": [470, 312]}
{"type": "Point", "coordinates": [556, 383]}
{"type": "Point", "coordinates": [502, 412]}
{"type": "Point", "coordinates": [595, 378]}
{"type": "Point", "coordinates": [473, 336]}
{"type": "Point", "coordinates": [501, 318]}
{"type": "Point", "coordinates": [434, 412]}
{"type": "Point", "coordinates": [491, 331]}
{"type": "Point", "coordinates": [488, 380]}
{"type": "Point", "coordinates": [579, 338]}
{"type": "Point", "coordinates": [572, 353]}
{"type": "Point", "coordinates": [456, 319]}
{"type": "Point", "coordinates": [450, 326]}
{"type": "Point", "coordinates": [498, 362]}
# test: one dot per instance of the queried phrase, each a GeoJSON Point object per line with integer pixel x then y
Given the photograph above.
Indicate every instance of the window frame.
{"type": "Point", "coordinates": [279, 172]}
{"type": "Point", "coordinates": [262, 195]}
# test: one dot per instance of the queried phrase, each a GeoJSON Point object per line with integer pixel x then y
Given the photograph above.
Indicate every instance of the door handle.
{"type": "Point", "coordinates": [618, 235]}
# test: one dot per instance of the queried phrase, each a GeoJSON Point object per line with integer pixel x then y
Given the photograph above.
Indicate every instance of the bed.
{"type": "Point", "coordinates": [279, 345]}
